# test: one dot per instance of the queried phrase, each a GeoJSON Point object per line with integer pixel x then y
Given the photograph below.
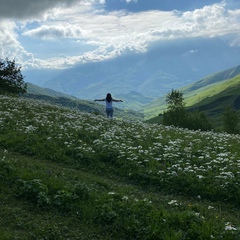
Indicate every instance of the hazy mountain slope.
{"type": "Point", "coordinates": [134, 100]}
{"type": "Point", "coordinates": [34, 89]}
{"type": "Point", "coordinates": [214, 78]}
{"type": "Point", "coordinates": [118, 76]}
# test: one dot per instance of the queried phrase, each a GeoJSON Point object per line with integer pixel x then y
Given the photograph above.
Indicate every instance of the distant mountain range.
{"type": "Point", "coordinates": [151, 74]}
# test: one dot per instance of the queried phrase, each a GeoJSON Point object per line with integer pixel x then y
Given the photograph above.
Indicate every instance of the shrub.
{"type": "Point", "coordinates": [231, 121]}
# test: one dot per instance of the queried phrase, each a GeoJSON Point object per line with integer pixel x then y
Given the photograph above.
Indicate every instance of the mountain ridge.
{"type": "Point", "coordinates": [211, 95]}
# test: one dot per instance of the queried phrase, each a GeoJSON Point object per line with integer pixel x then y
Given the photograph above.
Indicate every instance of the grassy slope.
{"type": "Point", "coordinates": [53, 97]}
{"type": "Point", "coordinates": [215, 98]}
{"type": "Point", "coordinates": [212, 92]}
{"type": "Point", "coordinates": [196, 92]}
{"type": "Point", "coordinates": [209, 95]}
{"type": "Point", "coordinates": [88, 106]}
{"type": "Point", "coordinates": [69, 175]}
{"type": "Point", "coordinates": [34, 89]}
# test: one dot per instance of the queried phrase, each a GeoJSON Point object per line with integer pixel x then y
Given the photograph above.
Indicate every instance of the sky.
{"type": "Point", "coordinates": [58, 34]}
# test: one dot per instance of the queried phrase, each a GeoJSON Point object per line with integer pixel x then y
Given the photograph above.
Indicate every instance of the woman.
{"type": "Point", "coordinates": [109, 108]}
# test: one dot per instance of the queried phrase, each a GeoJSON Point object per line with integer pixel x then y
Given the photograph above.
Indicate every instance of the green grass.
{"type": "Point", "coordinates": [65, 174]}
{"type": "Point", "coordinates": [213, 91]}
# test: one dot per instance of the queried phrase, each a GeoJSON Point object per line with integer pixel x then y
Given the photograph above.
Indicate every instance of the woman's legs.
{"type": "Point", "coordinates": [109, 112]}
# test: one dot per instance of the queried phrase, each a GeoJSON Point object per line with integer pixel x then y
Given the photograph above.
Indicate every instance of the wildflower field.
{"type": "Point", "coordinates": [71, 175]}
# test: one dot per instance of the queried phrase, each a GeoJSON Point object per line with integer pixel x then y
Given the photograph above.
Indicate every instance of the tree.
{"type": "Point", "coordinates": [176, 112]}
{"type": "Point", "coordinates": [11, 78]}
{"type": "Point", "coordinates": [175, 100]}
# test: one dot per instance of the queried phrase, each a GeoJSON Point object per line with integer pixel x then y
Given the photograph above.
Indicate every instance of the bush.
{"type": "Point", "coordinates": [198, 120]}
{"type": "Point", "coordinates": [231, 121]}
{"type": "Point", "coordinates": [178, 116]}
{"type": "Point", "coordinates": [175, 117]}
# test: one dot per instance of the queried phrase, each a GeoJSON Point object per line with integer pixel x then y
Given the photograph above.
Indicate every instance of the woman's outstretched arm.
{"type": "Point", "coordinates": [115, 100]}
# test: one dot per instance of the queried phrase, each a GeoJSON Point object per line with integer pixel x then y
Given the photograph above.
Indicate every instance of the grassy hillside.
{"type": "Point", "coordinates": [212, 99]}
{"type": "Point", "coordinates": [133, 101]}
{"type": "Point", "coordinates": [211, 94]}
{"type": "Point", "coordinates": [214, 78]}
{"type": "Point", "coordinates": [36, 90]}
{"type": "Point", "coordinates": [215, 98]}
{"type": "Point", "coordinates": [216, 93]}
{"type": "Point", "coordinates": [65, 174]}
{"type": "Point", "coordinates": [87, 106]}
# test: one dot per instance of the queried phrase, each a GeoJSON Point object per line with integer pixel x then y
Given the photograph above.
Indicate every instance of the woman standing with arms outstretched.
{"type": "Point", "coordinates": [109, 108]}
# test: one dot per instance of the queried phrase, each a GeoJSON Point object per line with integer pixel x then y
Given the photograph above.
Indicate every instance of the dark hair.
{"type": "Point", "coordinates": [109, 97]}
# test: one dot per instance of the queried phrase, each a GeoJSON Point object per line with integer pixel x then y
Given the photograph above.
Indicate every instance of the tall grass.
{"type": "Point", "coordinates": [123, 179]}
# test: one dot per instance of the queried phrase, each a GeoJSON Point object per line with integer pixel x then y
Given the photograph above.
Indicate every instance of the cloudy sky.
{"type": "Point", "coordinates": [61, 33]}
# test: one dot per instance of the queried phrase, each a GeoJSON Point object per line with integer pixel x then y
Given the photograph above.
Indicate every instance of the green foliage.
{"type": "Point", "coordinates": [178, 116]}
{"type": "Point", "coordinates": [175, 100]}
{"type": "Point", "coordinates": [34, 190]}
{"type": "Point", "coordinates": [176, 113]}
{"type": "Point", "coordinates": [6, 169]}
{"type": "Point", "coordinates": [175, 117]}
{"type": "Point", "coordinates": [11, 79]}
{"type": "Point", "coordinates": [70, 175]}
{"type": "Point", "coordinates": [196, 120]}
{"type": "Point", "coordinates": [231, 119]}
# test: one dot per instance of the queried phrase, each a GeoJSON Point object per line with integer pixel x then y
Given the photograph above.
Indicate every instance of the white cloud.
{"type": "Point", "coordinates": [10, 47]}
{"type": "Point", "coordinates": [8, 37]}
{"type": "Point", "coordinates": [56, 32]}
{"type": "Point", "coordinates": [114, 33]}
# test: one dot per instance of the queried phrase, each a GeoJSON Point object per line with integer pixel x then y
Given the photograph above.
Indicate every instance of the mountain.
{"type": "Point", "coordinates": [211, 80]}
{"type": "Point", "coordinates": [219, 96]}
{"type": "Point", "coordinates": [211, 94]}
{"type": "Point", "coordinates": [212, 86]}
{"type": "Point", "coordinates": [36, 90]}
{"type": "Point", "coordinates": [118, 76]}
{"type": "Point", "coordinates": [152, 73]}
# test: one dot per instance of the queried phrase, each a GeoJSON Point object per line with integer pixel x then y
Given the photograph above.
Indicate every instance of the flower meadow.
{"type": "Point", "coordinates": [117, 179]}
